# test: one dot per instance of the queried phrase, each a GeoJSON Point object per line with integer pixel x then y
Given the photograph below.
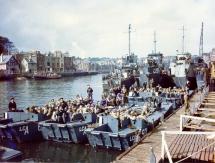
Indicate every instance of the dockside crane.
{"type": "Point", "coordinates": [201, 42]}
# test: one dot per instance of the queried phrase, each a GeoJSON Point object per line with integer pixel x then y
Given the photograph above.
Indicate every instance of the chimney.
{"type": "Point", "coordinates": [1, 58]}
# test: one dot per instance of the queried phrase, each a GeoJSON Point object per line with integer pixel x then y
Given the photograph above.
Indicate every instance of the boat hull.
{"type": "Point", "coordinates": [69, 132]}
{"type": "Point", "coordinates": [21, 131]}
{"type": "Point", "coordinates": [45, 78]}
{"type": "Point", "coordinates": [163, 80]}
{"type": "Point", "coordinates": [9, 155]}
{"type": "Point", "coordinates": [20, 126]}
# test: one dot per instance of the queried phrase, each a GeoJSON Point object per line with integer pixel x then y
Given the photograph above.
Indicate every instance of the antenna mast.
{"type": "Point", "coordinates": [129, 39]}
{"type": "Point", "coordinates": [183, 40]}
{"type": "Point", "coordinates": [201, 42]}
{"type": "Point", "coordinates": [155, 42]}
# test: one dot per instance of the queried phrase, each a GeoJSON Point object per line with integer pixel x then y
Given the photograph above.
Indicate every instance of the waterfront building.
{"type": "Point", "coordinates": [48, 62]}
{"type": "Point", "coordinates": [39, 58]}
{"type": "Point", "coordinates": [28, 65]}
{"type": "Point", "coordinates": [36, 56]}
{"type": "Point", "coordinates": [69, 64]}
{"type": "Point", "coordinates": [81, 64]}
{"type": "Point", "coordinates": [55, 64]}
{"type": "Point", "coordinates": [60, 55]}
{"type": "Point", "coordinates": [9, 64]}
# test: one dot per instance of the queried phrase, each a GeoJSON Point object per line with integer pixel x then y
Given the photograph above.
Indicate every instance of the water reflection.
{"type": "Point", "coordinates": [62, 152]}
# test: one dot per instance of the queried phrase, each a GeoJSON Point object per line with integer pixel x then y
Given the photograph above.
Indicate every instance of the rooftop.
{"type": "Point", "coordinates": [5, 58]}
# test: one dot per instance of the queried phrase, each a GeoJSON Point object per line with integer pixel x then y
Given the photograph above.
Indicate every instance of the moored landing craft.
{"type": "Point", "coordinates": [72, 131]}
{"type": "Point", "coordinates": [122, 131]}
{"type": "Point", "coordinates": [20, 126]}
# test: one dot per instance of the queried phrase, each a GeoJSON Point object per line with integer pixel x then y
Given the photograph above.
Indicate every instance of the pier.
{"type": "Point", "coordinates": [141, 152]}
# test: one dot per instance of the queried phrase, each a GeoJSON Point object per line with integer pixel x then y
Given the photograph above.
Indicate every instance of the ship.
{"type": "Point", "coordinates": [179, 69]}
{"type": "Point", "coordinates": [156, 71]}
{"type": "Point", "coordinates": [45, 76]}
{"type": "Point", "coordinates": [126, 74]}
{"type": "Point", "coordinates": [188, 70]}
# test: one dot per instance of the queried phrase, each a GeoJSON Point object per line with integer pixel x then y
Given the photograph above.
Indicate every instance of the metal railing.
{"type": "Point", "coordinates": [185, 118]}
{"type": "Point", "coordinates": [204, 93]}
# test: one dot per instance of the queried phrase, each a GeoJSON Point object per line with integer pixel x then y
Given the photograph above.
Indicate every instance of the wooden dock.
{"type": "Point", "coordinates": [192, 148]}
{"type": "Point", "coordinates": [141, 152]}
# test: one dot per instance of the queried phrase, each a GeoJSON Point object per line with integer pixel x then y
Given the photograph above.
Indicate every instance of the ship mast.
{"type": "Point", "coordinates": [183, 40]}
{"type": "Point", "coordinates": [201, 42]}
{"type": "Point", "coordinates": [155, 42]}
{"type": "Point", "coordinates": [129, 39]}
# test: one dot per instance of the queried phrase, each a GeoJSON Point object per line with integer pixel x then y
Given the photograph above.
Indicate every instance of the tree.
{"type": "Point", "coordinates": [6, 46]}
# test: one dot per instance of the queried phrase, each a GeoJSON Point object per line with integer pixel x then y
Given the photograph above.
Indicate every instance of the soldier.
{"type": "Point", "coordinates": [151, 83]}
{"type": "Point", "coordinates": [12, 105]}
{"type": "Point", "coordinates": [90, 92]}
{"type": "Point", "coordinates": [186, 103]}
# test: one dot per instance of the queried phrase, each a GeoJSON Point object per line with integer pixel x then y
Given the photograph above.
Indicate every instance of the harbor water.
{"type": "Point", "coordinates": [39, 92]}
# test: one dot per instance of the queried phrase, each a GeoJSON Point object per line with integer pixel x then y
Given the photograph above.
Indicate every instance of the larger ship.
{"type": "Point", "coordinates": [190, 70]}
{"type": "Point", "coordinates": [125, 74]}
{"type": "Point", "coordinates": [179, 69]}
{"type": "Point", "coordinates": [156, 71]}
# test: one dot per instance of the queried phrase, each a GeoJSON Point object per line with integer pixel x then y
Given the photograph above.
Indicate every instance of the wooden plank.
{"type": "Point", "coordinates": [187, 145]}
{"type": "Point", "coordinates": [204, 152]}
{"type": "Point", "coordinates": [199, 147]}
{"type": "Point", "coordinates": [210, 150]}
{"type": "Point", "coordinates": [182, 144]}
{"type": "Point", "coordinates": [208, 101]}
{"type": "Point", "coordinates": [211, 154]}
{"type": "Point", "coordinates": [176, 146]}
{"type": "Point", "coordinates": [208, 104]}
{"type": "Point", "coordinates": [172, 144]}
{"type": "Point", "coordinates": [202, 157]}
{"type": "Point", "coordinates": [207, 109]}
{"type": "Point", "coordinates": [199, 128]}
{"type": "Point", "coordinates": [192, 148]}
{"type": "Point", "coordinates": [209, 98]}
{"type": "Point", "coordinates": [203, 144]}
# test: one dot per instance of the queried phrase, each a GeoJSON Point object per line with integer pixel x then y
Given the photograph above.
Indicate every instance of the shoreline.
{"type": "Point", "coordinates": [63, 74]}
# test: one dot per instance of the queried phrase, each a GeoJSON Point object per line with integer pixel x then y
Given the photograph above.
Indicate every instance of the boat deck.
{"type": "Point", "coordinates": [141, 152]}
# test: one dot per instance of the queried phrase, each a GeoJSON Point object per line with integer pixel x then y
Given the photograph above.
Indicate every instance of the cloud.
{"type": "Point", "coordinates": [98, 28]}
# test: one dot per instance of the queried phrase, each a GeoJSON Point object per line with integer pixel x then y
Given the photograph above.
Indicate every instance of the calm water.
{"type": "Point", "coordinates": [35, 92]}
{"type": "Point", "coordinates": [39, 92]}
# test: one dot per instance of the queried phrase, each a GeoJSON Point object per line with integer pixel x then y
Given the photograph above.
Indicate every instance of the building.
{"type": "Point", "coordinates": [69, 64]}
{"type": "Point", "coordinates": [55, 64]}
{"type": "Point", "coordinates": [48, 62]}
{"type": "Point", "coordinates": [9, 64]}
{"type": "Point", "coordinates": [39, 58]}
{"type": "Point", "coordinates": [60, 55]}
{"type": "Point", "coordinates": [36, 56]}
{"type": "Point", "coordinates": [28, 65]}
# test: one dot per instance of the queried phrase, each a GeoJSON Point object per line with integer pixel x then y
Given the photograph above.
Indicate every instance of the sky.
{"type": "Point", "coordinates": [99, 28]}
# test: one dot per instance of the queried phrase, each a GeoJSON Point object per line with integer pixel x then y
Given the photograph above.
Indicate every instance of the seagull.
{"type": "Point", "coordinates": [152, 158]}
